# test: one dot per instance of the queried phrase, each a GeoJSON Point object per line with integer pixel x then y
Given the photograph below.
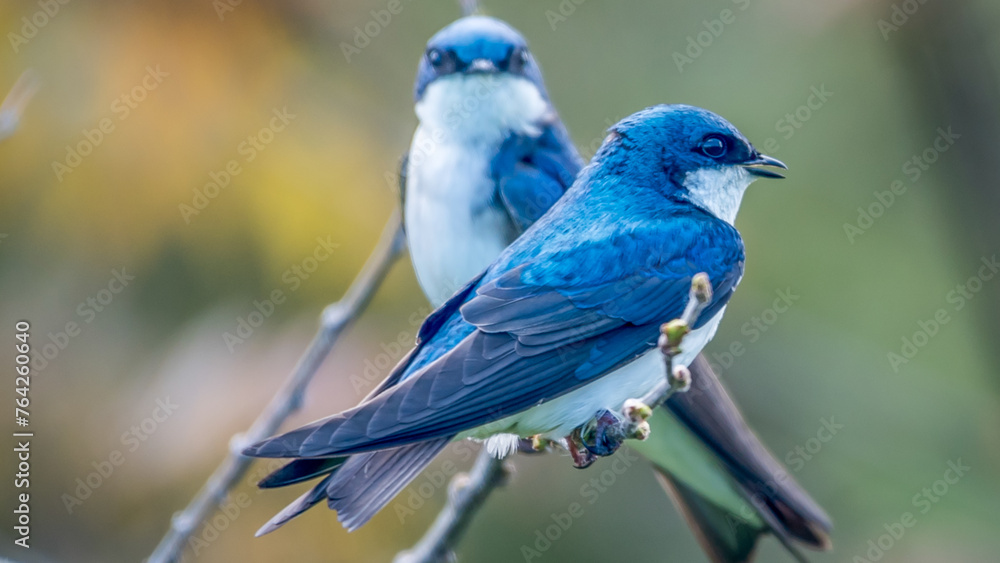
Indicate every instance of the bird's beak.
{"type": "Point", "coordinates": [484, 66]}
{"type": "Point", "coordinates": [754, 166]}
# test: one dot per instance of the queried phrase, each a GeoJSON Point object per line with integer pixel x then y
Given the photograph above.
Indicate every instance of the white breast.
{"type": "Point", "coordinates": [454, 226]}
{"type": "Point", "coordinates": [557, 418]}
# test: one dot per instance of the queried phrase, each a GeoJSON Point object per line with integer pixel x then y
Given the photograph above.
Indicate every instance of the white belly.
{"type": "Point", "coordinates": [453, 229]}
{"type": "Point", "coordinates": [555, 419]}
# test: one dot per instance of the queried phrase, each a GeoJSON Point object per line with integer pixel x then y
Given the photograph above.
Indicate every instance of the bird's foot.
{"type": "Point", "coordinates": [604, 434]}
{"type": "Point", "coordinates": [582, 456]}
{"type": "Point", "coordinates": [607, 431]}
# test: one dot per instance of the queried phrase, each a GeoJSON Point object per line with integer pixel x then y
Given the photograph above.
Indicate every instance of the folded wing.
{"type": "Point", "coordinates": [534, 332]}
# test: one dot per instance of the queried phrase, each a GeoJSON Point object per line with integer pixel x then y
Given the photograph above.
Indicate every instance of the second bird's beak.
{"type": "Point", "coordinates": [484, 66]}
{"type": "Point", "coordinates": [754, 166]}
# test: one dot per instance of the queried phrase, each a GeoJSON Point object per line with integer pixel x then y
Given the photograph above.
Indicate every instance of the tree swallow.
{"type": "Point", "coordinates": [562, 325]}
{"type": "Point", "coordinates": [465, 202]}
{"type": "Point", "coordinates": [491, 156]}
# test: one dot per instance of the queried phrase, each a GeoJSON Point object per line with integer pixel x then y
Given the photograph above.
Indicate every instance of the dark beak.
{"type": "Point", "coordinates": [482, 66]}
{"type": "Point", "coordinates": [754, 166]}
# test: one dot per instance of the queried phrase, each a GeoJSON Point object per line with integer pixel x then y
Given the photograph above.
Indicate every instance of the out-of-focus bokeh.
{"type": "Point", "coordinates": [151, 293]}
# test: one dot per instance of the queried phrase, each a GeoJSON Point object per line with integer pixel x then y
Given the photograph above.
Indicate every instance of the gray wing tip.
{"type": "Point", "coordinates": [267, 528]}
{"type": "Point", "coordinates": [277, 521]}
{"type": "Point", "coordinates": [295, 508]}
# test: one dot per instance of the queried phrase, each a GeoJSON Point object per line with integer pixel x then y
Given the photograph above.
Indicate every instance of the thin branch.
{"type": "Point", "coordinates": [672, 335]}
{"type": "Point", "coordinates": [335, 319]}
{"type": "Point", "coordinates": [607, 431]}
{"type": "Point", "coordinates": [467, 494]}
{"type": "Point", "coordinates": [469, 7]}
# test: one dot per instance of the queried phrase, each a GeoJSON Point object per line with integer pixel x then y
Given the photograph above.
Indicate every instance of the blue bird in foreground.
{"type": "Point", "coordinates": [489, 158]}
{"type": "Point", "coordinates": [562, 325]}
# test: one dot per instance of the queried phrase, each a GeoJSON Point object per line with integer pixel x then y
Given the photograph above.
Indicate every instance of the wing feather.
{"type": "Point", "coordinates": [532, 333]}
{"type": "Point", "coordinates": [533, 172]}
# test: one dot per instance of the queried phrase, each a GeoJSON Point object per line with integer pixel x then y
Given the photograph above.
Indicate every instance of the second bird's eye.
{"type": "Point", "coordinates": [517, 59]}
{"type": "Point", "coordinates": [713, 146]}
{"type": "Point", "coordinates": [435, 57]}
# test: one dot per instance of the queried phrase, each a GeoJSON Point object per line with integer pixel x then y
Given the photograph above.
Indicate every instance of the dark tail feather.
{"type": "Point", "coordinates": [788, 525]}
{"type": "Point", "coordinates": [301, 504]}
{"type": "Point", "coordinates": [708, 411]}
{"type": "Point", "coordinates": [728, 538]}
{"type": "Point", "coordinates": [725, 537]}
{"type": "Point", "coordinates": [367, 482]}
{"type": "Point", "coordinates": [357, 487]}
{"type": "Point", "coordinates": [301, 470]}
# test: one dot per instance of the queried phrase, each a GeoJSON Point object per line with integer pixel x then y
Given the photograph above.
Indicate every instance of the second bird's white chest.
{"type": "Point", "coordinates": [454, 226]}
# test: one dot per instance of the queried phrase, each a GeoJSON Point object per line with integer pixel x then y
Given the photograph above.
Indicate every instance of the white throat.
{"type": "Point", "coordinates": [480, 107]}
{"type": "Point", "coordinates": [719, 190]}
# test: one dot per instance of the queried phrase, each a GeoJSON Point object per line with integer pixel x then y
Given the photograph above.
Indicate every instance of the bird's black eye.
{"type": "Point", "coordinates": [714, 146]}
{"type": "Point", "coordinates": [518, 57]}
{"type": "Point", "coordinates": [435, 57]}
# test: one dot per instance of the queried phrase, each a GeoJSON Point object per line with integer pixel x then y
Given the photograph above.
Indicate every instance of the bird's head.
{"type": "Point", "coordinates": [478, 65]}
{"type": "Point", "coordinates": [700, 156]}
{"type": "Point", "coordinates": [476, 45]}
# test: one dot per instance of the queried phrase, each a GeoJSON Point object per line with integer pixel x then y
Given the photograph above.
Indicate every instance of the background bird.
{"type": "Point", "coordinates": [537, 314]}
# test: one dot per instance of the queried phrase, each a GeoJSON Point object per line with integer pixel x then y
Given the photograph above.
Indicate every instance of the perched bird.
{"type": "Point", "coordinates": [489, 158]}
{"type": "Point", "coordinates": [561, 325]}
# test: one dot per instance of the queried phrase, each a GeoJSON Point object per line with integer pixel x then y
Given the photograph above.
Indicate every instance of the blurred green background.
{"type": "Point", "coordinates": [328, 174]}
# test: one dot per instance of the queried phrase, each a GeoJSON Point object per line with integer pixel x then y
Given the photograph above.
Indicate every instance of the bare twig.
{"type": "Point", "coordinates": [678, 379]}
{"type": "Point", "coordinates": [607, 431]}
{"type": "Point", "coordinates": [335, 319]}
{"type": "Point", "coordinates": [469, 7]}
{"type": "Point", "coordinates": [14, 104]}
{"type": "Point", "coordinates": [671, 336]}
{"type": "Point", "coordinates": [467, 494]}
